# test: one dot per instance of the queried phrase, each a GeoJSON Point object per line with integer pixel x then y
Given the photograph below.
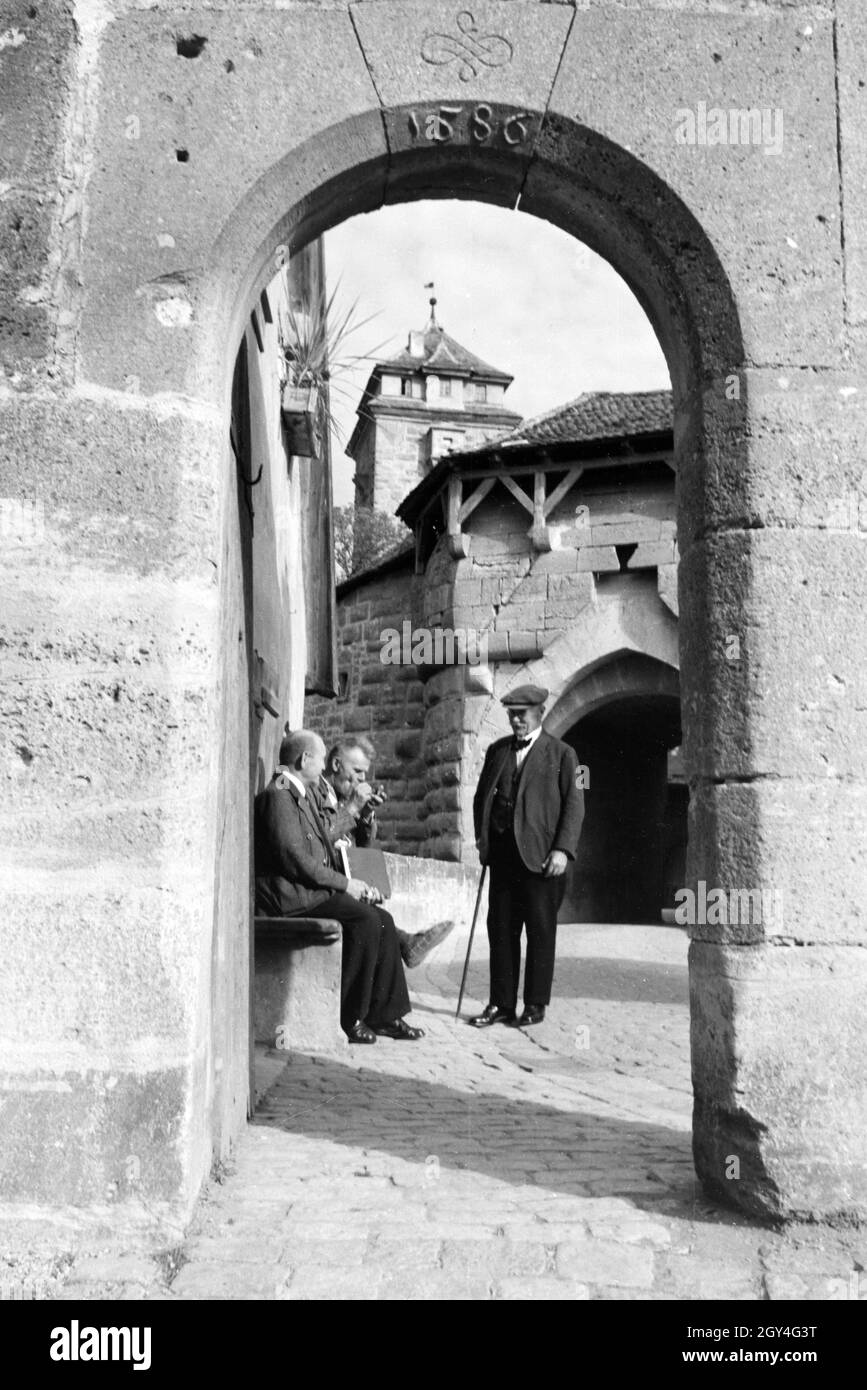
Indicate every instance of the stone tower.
{"type": "Point", "coordinates": [432, 398]}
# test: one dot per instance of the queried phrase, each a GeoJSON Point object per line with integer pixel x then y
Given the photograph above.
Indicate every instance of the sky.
{"type": "Point", "coordinates": [518, 292]}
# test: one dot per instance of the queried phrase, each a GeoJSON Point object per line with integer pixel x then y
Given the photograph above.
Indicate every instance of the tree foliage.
{"type": "Point", "coordinates": [362, 538]}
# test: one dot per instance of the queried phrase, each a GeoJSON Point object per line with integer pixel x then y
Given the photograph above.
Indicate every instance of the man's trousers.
{"type": "Point", "coordinates": [519, 898]}
{"type": "Point", "coordinates": [372, 984]}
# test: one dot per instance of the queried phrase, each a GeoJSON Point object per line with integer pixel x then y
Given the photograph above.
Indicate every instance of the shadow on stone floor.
{"type": "Point", "coordinates": [592, 977]}
{"type": "Point", "coordinates": [514, 1140]}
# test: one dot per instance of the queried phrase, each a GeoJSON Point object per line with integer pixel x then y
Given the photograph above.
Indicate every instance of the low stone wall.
{"type": "Point", "coordinates": [425, 891]}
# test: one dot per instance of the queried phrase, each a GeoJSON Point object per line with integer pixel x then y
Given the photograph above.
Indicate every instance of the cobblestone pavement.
{"type": "Point", "coordinates": [552, 1163]}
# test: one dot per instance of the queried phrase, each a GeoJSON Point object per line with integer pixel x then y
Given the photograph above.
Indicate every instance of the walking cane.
{"type": "Point", "coordinates": [470, 942]}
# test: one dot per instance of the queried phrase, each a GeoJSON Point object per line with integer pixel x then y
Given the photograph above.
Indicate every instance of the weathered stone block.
{"type": "Point", "coordinates": [35, 68]}
{"type": "Point", "coordinates": [296, 996]}
{"type": "Point", "coordinates": [777, 1061]}
{"type": "Point", "coordinates": [357, 721]}
{"type": "Point", "coordinates": [409, 830]}
{"type": "Point", "coordinates": [408, 746]}
{"type": "Point", "coordinates": [556, 562]}
{"type": "Point", "coordinates": [599, 559]}
{"type": "Point", "coordinates": [521, 615]}
{"type": "Point", "coordinates": [145, 307]}
{"type": "Point", "coordinates": [532, 586]}
{"type": "Point", "coordinates": [651, 554]}
{"type": "Point", "coordinates": [666, 583]}
{"type": "Point", "coordinates": [26, 323]}
{"type": "Point", "coordinates": [851, 47]}
{"type": "Point", "coordinates": [79, 739]}
{"type": "Point", "coordinates": [769, 205]}
{"type": "Point", "coordinates": [614, 533]}
{"type": "Point", "coordinates": [377, 675]}
{"type": "Point", "coordinates": [574, 587]}
{"type": "Point", "coordinates": [115, 1141]}
{"type": "Point", "coordinates": [772, 629]}
{"type": "Point", "coordinates": [797, 843]}
{"type": "Point", "coordinates": [442, 799]}
{"type": "Point", "coordinates": [445, 749]}
{"type": "Point", "coordinates": [466, 593]}
{"type": "Point", "coordinates": [785, 451]}
{"type": "Point", "coordinates": [526, 44]}
{"type": "Point", "coordinates": [132, 491]}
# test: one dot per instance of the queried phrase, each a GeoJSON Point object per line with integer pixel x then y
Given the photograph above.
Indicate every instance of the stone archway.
{"type": "Point", "coordinates": [179, 191]}
{"type": "Point", "coordinates": [622, 715]}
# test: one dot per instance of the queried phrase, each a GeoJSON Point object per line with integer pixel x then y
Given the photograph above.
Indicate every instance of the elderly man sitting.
{"type": "Point", "coordinates": [297, 876]}
{"type": "Point", "coordinates": [349, 806]}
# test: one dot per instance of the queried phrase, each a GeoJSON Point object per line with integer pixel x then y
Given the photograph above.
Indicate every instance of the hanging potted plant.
{"type": "Point", "coordinates": [312, 340]}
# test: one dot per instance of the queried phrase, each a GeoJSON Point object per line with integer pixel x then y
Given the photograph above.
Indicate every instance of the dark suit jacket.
{"type": "Point", "coordinates": [549, 809]}
{"type": "Point", "coordinates": [295, 865]}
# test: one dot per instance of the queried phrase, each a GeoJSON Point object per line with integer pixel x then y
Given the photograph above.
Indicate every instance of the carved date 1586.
{"type": "Point", "coordinates": [481, 124]}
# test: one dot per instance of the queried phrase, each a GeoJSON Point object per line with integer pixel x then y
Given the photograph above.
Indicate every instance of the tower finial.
{"type": "Point", "coordinates": [433, 306]}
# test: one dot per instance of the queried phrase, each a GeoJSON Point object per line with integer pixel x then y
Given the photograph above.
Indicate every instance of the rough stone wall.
{"type": "Point", "coordinates": [384, 702]}
{"type": "Point", "coordinates": [127, 613]}
{"type": "Point", "coordinates": [395, 453]}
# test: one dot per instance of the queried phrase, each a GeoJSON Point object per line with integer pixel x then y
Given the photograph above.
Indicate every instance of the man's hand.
{"type": "Point", "coordinates": [555, 864]}
{"type": "Point", "coordinates": [363, 892]}
{"type": "Point", "coordinates": [362, 794]}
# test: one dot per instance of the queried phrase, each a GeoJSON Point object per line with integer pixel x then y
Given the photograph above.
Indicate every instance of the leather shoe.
{"type": "Point", "coordinates": [360, 1033]}
{"type": "Point", "coordinates": [533, 1013]}
{"type": "Point", "coordinates": [492, 1013]}
{"type": "Point", "coordinates": [400, 1030]}
{"type": "Point", "coordinates": [415, 949]}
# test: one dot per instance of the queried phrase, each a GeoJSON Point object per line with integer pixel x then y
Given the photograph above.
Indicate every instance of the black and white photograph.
{"type": "Point", "coordinates": [433, 666]}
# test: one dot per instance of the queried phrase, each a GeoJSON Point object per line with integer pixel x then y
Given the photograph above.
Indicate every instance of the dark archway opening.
{"type": "Point", "coordinates": [634, 839]}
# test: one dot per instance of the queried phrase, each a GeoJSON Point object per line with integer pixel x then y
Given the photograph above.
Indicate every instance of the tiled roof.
{"type": "Point", "coordinates": [597, 418]}
{"type": "Point", "coordinates": [595, 415]}
{"type": "Point", "coordinates": [443, 354]}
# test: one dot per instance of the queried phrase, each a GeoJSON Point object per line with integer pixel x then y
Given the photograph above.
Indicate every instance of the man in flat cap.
{"type": "Point", "coordinates": [528, 811]}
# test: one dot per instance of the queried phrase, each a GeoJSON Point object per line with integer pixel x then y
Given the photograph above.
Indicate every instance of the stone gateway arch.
{"type": "Point", "coordinates": [159, 164]}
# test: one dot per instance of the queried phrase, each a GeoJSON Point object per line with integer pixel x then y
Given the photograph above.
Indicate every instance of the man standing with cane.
{"type": "Point", "coordinates": [528, 812]}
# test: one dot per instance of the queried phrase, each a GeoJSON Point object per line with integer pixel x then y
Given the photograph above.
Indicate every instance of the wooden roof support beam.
{"type": "Point", "coordinates": [458, 542]}
{"type": "Point", "coordinates": [475, 498]}
{"type": "Point", "coordinates": [539, 533]}
{"type": "Point", "coordinates": [517, 492]}
{"type": "Point", "coordinates": [556, 497]}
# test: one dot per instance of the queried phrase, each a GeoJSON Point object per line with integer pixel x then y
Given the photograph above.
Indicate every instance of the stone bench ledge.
{"type": "Point", "coordinates": [300, 931]}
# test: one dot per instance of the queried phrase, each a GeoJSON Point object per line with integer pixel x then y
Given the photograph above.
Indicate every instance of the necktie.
{"type": "Point", "coordinates": [522, 743]}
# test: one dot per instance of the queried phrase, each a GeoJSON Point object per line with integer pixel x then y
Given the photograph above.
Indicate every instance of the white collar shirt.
{"type": "Point", "coordinates": [294, 779]}
{"type": "Point", "coordinates": [521, 753]}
